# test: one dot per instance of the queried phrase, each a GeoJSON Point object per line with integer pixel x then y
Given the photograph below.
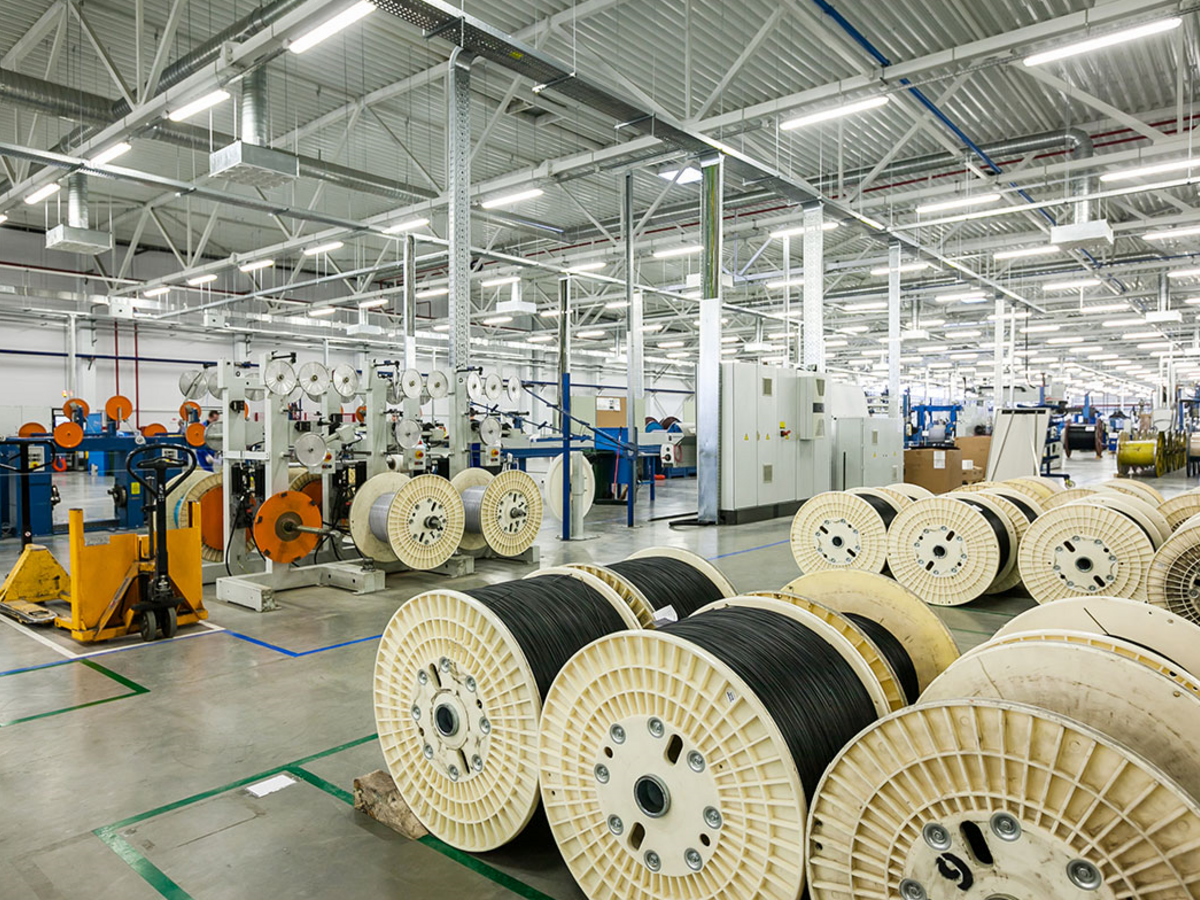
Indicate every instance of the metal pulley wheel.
{"type": "Point", "coordinates": [210, 380]}
{"type": "Point", "coordinates": [493, 386]}
{"type": "Point", "coordinates": [512, 387]}
{"type": "Point", "coordinates": [255, 392]}
{"type": "Point", "coordinates": [408, 433]}
{"type": "Point", "coordinates": [438, 384]}
{"type": "Point", "coordinates": [345, 380]}
{"type": "Point", "coordinates": [193, 384]}
{"type": "Point", "coordinates": [411, 384]}
{"type": "Point", "coordinates": [214, 435]}
{"type": "Point", "coordinates": [279, 377]}
{"type": "Point", "coordinates": [395, 393]}
{"type": "Point", "coordinates": [490, 431]}
{"type": "Point", "coordinates": [314, 378]}
{"type": "Point", "coordinates": [475, 387]}
{"type": "Point", "coordinates": [311, 450]}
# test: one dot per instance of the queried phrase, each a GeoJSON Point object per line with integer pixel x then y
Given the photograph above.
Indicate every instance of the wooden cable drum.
{"type": "Point", "coordinates": [415, 521]}
{"type": "Point", "coordinates": [662, 580]}
{"type": "Point", "coordinates": [844, 530]}
{"type": "Point", "coordinates": [1135, 488]}
{"type": "Point", "coordinates": [308, 482]}
{"type": "Point", "coordinates": [1086, 548]}
{"type": "Point", "coordinates": [1088, 437]}
{"type": "Point", "coordinates": [460, 680]}
{"type": "Point", "coordinates": [877, 598]}
{"type": "Point", "coordinates": [911, 491]}
{"type": "Point", "coordinates": [678, 762]}
{"type": "Point", "coordinates": [177, 496]}
{"type": "Point", "coordinates": [503, 512]}
{"type": "Point", "coordinates": [1146, 515]}
{"type": "Point", "coordinates": [1173, 582]}
{"type": "Point", "coordinates": [950, 550]}
{"type": "Point", "coordinates": [1142, 624]}
{"type": "Point", "coordinates": [1181, 508]}
{"type": "Point", "coordinates": [993, 799]}
{"type": "Point", "coordinates": [282, 527]}
{"type": "Point", "coordinates": [209, 492]}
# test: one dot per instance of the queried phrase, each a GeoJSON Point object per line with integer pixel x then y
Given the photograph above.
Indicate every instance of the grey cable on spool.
{"type": "Point", "coordinates": [377, 516]}
{"type": "Point", "coordinates": [472, 499]}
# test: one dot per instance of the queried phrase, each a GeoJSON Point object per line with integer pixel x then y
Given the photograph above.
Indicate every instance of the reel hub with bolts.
{"type": "Point", "coordinates": [837, 529]}
{"type": "Point", "coordinates": [424, 522]}
{"type": "Point", "coordinates": [278, 377]}
{"type": "Point", "coordinates": [438, 384]}
{"type": "Point", "coordinates": [314, 378]}
{"type": "Point", "coordinates": [345, 380]}
{"type": "Point", "coordinates": [412, 384]}
{"type": "Point", "coordinates": [1012, 835]}
{"type": "Point", "coordinates": [1173, 581]}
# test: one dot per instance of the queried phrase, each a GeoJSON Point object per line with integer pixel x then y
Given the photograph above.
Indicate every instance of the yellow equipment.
{"type": "Point", "coordinates": [1158, 452]}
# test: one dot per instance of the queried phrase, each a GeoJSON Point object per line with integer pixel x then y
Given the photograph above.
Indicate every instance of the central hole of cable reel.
{"type": "Point", "coordinates": [1083, 564]}
{"type": "Point", "coordinates": [446, 721]}
{"type": "Point", "coordinates": [651, 796]}
{"type": "Point", "coordinates": [939, 551]}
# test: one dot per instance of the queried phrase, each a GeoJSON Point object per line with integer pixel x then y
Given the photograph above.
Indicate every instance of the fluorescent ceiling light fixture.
{"type": "Point", "coordinates": [1105, 40]}
{"type": "Point", "coordinates": [410, 225]}
{"type": "Point", "coordinates": [1065, 340]}
{"type": "Point", "coordinates": [549, 313]}
{"type": "Point", "coordinates": [963, 355]}
{"type": "Point", "coordinates": [43, 192]}
{"type": "Point", "coordinates": [667, 345]}
{"type": "Point", "coordinates": [650, 329]}
{"type": "Point", "coordinates": [940, 365]}
{"type": "Point", "coordinates": [1099, 356]}
{"type": "Point", "coordinates": [904, 267]}
{"type": "Point", "coordinates": [432, 292]}
{"type": "Point", "coordinates": [964, 334]}
{"type": "Point", "coordinates": [1121, 323]}
{"type": "Point", "coordinates": [330, 27]}
{"type": "Point", "coordinates": [1077, 284]}
{"type": "Point", "coordinates": [589, 334]}
{"type": "Point", "coordinates": [497, 320]}
{"type": "Point", "coordinates": [1178, 273]}
{"type": "Point", "coordinates": [685, 250]}
{"type": "Point", "coordinates": [1040, 329]}
{"type": "Point", "coordinates": [932, 348]}
{"type": "Point", "coordinates": [1174, 165]}
{"type": "Point", "coordinates": [540, 338]}
{"type": "Point", "coordinates": [854, 329]}
{"type": "Point", "coordinates": [157, 291]}
{"type": "Point", "coordinates": [678, 355]}
{"type": "Point", "coordinates": [509, 199]}
{"type": "Point", "coordinates": [617, 304]}
{"type": "Point", "coordinates": [1155, 345]}
{"type": "Point", "coordinates": [107, 156]}
{"type": "Point", "coordinates": [1023, 252]}
{"type": "Point", "coordinates": [1105, 308]}
{"type": "Point", "coordinates": [733, 339]}
{"type": "Point", "coordinates": [256, 265]}
{"type": "Point", "coordinates": [201, 279]}
{"type": "Point", "coordinates": [784, 282]}
{"type": "Point", "coordinates": [1140, 335]}
{"type": "Point", "coordinates": [836, 112]}
{"type": "Point", "coordinates": [198, 106]}
{"type": "Point", "coordinates": [964, 296]}
{"type": "Point", "coordinates": [726, 351]}
{"type": "Point", "coordinates": [957, 203]}
{"type": "Point", "coordinates": [1192, 301]}
{"type": "Point", "coordinates": [374, 303]}
{"type": "Point", "coordinates": [441, 328]}
{"type": "Point", "coordinates": [865, 307]}
{"type": "Point", "coordinates": [1171, 233]}
{"type": "Point", "coordinates": [794, 230]}
{"type": "Point", "coordinates": [501, 281]}
{"type": "Point", "coordinates": [588, 266]}
{"type": "Point", "coordinates": [3, 218]}
{"type": "Point", "coordinates": [322, 312]}
{"type": "Point", "coordinates": [323, 248]}
{"type": "Point", "coordinates": [933, 323]}
{"type": "Point", "coordinates": [690, 175]}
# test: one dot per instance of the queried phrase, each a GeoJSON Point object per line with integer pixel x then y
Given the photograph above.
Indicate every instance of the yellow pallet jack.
{"type": "Point", "coordinates": [127, 584]}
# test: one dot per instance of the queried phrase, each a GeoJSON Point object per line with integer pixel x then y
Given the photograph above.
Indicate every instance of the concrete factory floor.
{"type": "Point", "coordinates": [124, 774]}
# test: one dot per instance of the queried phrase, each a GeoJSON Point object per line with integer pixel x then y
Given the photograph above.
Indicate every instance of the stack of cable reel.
{"type": "Point", "coordinates": [952, 549]}
{"type": "Point", "coordinates": [417, 522]}
{"type": "Point", "coordinates": [1021, 510]}
{"type": "Point", "coordinates": [501, 512]}
{"type": "Point", "coordinates": [1181, 508]}
{"type": "Point", "coordinates": [460, 680]}
{"type": "Point", "coordinates": [662, 584]}
{"type": "Point", "coordinates": [911, 491]}
{"type": "Point", "coordinates": [1173, 582]}
{"type": "Point", "coordinates": [678, 762]}
{"type": "Point", "coordinates": [1101, 544]}
{"type": "Point", "coordinates": [845, 529]}
{"type": "Point", "coordinates": [1059, 760]}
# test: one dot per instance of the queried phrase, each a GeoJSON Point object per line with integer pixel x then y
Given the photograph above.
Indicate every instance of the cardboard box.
{"type": "Point", "coordinates": [936, 470]}
{"type": "Point", "coordinates": [975, 450]}
{"type": "Point", "coordinates": [971, 474]}
{"type": "Point", "coordinates": [610, 412]}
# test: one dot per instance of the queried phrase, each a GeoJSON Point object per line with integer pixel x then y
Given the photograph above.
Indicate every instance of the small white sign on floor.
{"type": "Point", "coordinates": [271, 785]}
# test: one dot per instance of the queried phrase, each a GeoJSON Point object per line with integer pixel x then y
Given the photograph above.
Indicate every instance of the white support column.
{"type": "Point", "coordinates": [458, 174]}
{"type": "Point", "coordinates": [814, 288]}
{"type": "Point", "coordinates": [998, 358]}
{"type": "Point", "coordinates": [72, 356]}
{"type": "Point", "coordinates": [411, 406]}
{"type": "Point", "coordinates": [635, 381]}
{"type": "Point", "coordinates": [787, 306]}
{"type": "Point", "coordinates": [893, 347]}
{"type": "Point", "coordinates": [1012, 357]}
{"type": "Point", "coordinates": [708, 365]}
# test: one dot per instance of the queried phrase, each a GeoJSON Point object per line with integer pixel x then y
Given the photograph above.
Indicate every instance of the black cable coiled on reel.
{"type": "Point", "coordinates": [666, 581]}
{"type": "Point", "coordinates": [893, 651]}
{"type": "Point", "coordinates": [997, 525]}
{"type": "Point", "coordinates": [813, 695]}
{"type": "Point", "coordinates": [1019, 502]}
{"type": "Point", "coordinates": [885, 508]}
{"type": "Point", "coordinates": [552, 617]}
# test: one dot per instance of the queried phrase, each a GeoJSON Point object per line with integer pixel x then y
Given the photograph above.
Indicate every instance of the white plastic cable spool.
{"type": "Point", "coordinates": [643, 707]}
{"type": "Point", "coordinates": [512, 388]}
{"type": "Point", "coordinates": [1181, 508]}
{"type": "Point", "coordinates": [279, 377]}
{"type": "Point", "coordinates": [470, 484]}
{"type": "Point", "coordinates": [946, 551]}
{"type": "Point", "coordinates": [1148, 626]}
{"type": "Point", "coordinates": [493, 387]}
{"type": "Point", "coordinates": [888, 680]}
{"type": "Point", "coordinates": [386, 483]}
{"type": "Point", "coordinates": [553, 485]}
{"type": "Point", "coordinates": [193, 384]}
{"type": "Point", "coordinates": [345, 380]}
{"type": "Point", "coordinates": [210, 382]}
{"type": "Point", "coordinates": [1063, 810]}
{"type": "Point", "coordinates": [310, 450]}
{"type": "Point", "coordinates": [1077, 550]}
{"type": "Point", "coordinates": [1134, 488]}
{"type": "Point", "coordinates": [629, 592]}
{"type": "Point", "coordinates": [438, 384]}
{"type": "Point", "coordinates": [441, 649]}
{"type": "Point", "coordinates": [490, 431]}
{"type": "Point", "coordinates": [1152, 521]}
{"type": "Point", "coordinates": [314, 378]}
{"type": "Point", "coordinates": [424, 522]}
{"type": "Point", "coordinates": [412, 384]}
{"type": "Point", "coordinates": [1062, 498]}
{"type": "Point", "coordinates": [899, 499]}
{"type": "Point", "coordinates": [923, 635]}
{"type": "Point", "coordinates": [1036, 487]}
{"type": "Point", "coordinates": [510, 513]}
{"type": "Point", "coordinates": [1018, 523]}
{"type": "Point", "coordinates": [408, 433]}
{"type": "Point", "coordinates": [841, 530]}
{"type": "Point", "coordinates": [1173, 581]}
{"type": "Point", "coordinates": [911, 491]}
{"type": "Point", "coordinates": [1130, 702]}
{"type": "Point", "coordinates": [475, 387]}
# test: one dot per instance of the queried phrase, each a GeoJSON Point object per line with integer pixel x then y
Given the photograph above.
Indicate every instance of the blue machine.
{"type": "Point", "coordinates": [925, 419]}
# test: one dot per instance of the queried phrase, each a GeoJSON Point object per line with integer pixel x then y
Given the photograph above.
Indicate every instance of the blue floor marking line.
{"type": "Point", "coordinates": [748, 550]}
{"type": "Point", "coordinates": [112, 650]}
{"type": "Point", "coordinates": [296, 654]}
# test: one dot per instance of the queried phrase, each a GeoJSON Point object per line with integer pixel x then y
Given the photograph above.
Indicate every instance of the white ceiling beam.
{"type": "Point", "coordinates": [1076, 93]}
{"type": "Point", "coordinates": [749, 50]}
{"type": "Point", "coordinates": [29, 41]}
{"type": "Point", "coordinates": [150, 87]}
{"type": "Point", "coordinates": [102, 52]}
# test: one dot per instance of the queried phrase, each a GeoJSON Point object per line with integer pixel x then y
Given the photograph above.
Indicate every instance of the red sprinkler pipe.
{"type": "Point", "coordinates": [117, 355]}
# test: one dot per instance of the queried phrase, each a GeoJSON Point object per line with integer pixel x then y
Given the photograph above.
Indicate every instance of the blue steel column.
{"type": "Point", "coordinates": [708, 366]}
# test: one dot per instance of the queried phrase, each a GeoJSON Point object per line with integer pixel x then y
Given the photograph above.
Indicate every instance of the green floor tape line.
{"type": "Point", "coordinates": [132, 686]}
{"type": "Point", "coordinates": [161, 883]}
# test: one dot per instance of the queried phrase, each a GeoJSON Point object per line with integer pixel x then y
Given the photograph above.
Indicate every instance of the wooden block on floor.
{"type": "Point", "coordinates": [376, 795]}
